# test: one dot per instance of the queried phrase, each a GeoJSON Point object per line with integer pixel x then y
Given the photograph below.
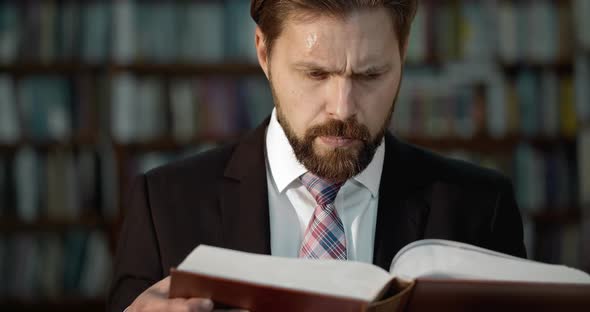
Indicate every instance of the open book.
{"type": "Point", "coordinates": [267, 283]}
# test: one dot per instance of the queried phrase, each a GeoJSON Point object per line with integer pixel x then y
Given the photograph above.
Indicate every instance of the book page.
{"type": "Point", "coordinates": [435, 258]}
{"type": "Point", "coordinates": [348, 279]}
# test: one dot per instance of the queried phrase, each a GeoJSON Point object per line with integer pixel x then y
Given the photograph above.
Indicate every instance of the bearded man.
{"type": "Point", "coordinates": [321, 177]}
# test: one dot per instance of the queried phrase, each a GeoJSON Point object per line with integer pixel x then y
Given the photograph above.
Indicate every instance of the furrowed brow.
{"type": "Point", "coordinates": [311, 66]}
{"type": "Point", "coordinates": [375, 69]}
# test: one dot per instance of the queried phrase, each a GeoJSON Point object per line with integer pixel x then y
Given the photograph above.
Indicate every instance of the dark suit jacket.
{"type": "Point", "coordinates": [219, 198]}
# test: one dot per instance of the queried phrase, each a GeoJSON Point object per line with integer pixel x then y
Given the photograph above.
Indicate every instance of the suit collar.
{"type": "Point", "coordinates": [284, 166]}
{"type": "Point", "coordinates": [402, 208]}
{"type": "Point", "coordinates": [243, 196]}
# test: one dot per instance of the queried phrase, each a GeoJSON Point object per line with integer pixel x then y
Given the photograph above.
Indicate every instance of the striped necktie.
{"type": "Point", "coordinates": [324, 237]}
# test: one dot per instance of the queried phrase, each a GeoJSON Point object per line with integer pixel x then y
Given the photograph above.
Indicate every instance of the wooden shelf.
{"type": "Point", "coordinates": [561, 216]}
{"type": "Point", "coordinates": [563, 66]}
{"type": "Point", "coordinates": [11, 225]}
{"type": "Point", "coordinates": [49, 144]}
{"type": "Point", "coordinates": [480, 143]}
{"type": "Point", "coordinates": [188, 69]}
{"type": "Point", "coordinates": [486, 144]}
{"type": "Point", "coordinates": [168, 144]}
{"type": "Point", "coordinates": [51, 68]}
{"type": "Point", "coordinates": [230, 68]}
{"type": "Point", "coordinates": [61, 305]}
{"type": "Point", "coordinates": [180, 69]}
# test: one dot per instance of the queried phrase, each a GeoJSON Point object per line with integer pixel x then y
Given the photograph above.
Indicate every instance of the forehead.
{"type": "Point", "coordinates": [360, 37]}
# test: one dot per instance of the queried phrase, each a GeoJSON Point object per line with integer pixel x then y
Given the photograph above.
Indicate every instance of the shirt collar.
{"type": "Point", "coordinates": [285, 168]}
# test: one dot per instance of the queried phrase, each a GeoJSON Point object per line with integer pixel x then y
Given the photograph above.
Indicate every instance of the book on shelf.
{"type": "Point", "coordinates": [544, 178]}
{"type": "Point", "coordinates": [464, 99]}
{"type": "Point", "coordinates": [87, 102]}
{"type": "Point", "coordinates": [108, 182]}
{"type": "Point", "coordinates": [445, 30]}
{"type": "Point", "coordinates": [584, 169]}
{"type": "Point", "coordinates": [50, 279]}
{"type": "Point", "coordinates": [476, 38]}
{"type": "Point", "coordinates": [144, 109]}
{"type": "Point", "coordinates": [219, 106]}
{"type": "Point", "coordinates": [69, 24]}
{"type": "Point", "coordinates": [512, 31]}
{"type": "Point", "coordinates": [27, 175]}
{"type": "Point", "coordinates": [417, 45]}
{"type": "Point", "coordinates": [47, 32]}
{"type": "Point", "coordinates": [46, 106]}
{"type": "Point", "coordinates": [549, 104]}
{"type": "Point", "coordinates": [9, 32]}
{"type": "Point", "coordinates": [526, 86]}
{"type": "Point", "coordinates": [95, 27]}
{"type": "Point", "coordinates": [124, 40]}
{"type": "Point", "coordinates": [48, 265]}
{"type": "Point", "coordinates": [581, 11]}
{"type": "Point", "coordinates": [184, 110]}
{"type": "Point", "coordinates": [582, 88]}
{"type": "Point", "coordinates": [566, 32]}
{"type": "Point", "coordinates": [201, 31]}
{"type": "Point", "coordinates": [63, 189]}
{"type": "Point", "coordinates": [239, 31]}
{"type": "Point", "coordinates": [60, 184]}
{"type": "Point", "coordinates": [123, 108]}
{"type": "Point", "coordinates": [569, 120]}
{"type": "Point", "coordinates": [97, 268]}
{"type": "Point", "coordinates": [149, 116]}
{"type": "Point", "coordinates": [419, 272]}
{"type": "Point", "coordinates": [542, 31]}
{"type": "Point", "coordinates": [3, 188]}
{"type": "Point", "coordinates": [9, 125]}
{"type": "Point", "coordinates": [23, 264]}
{"type": "Point", "coordinates": [571, 245]}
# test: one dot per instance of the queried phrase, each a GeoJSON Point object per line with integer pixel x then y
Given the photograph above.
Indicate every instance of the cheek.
{"type": "Point", "coordinates": [299, 105]}
{"type": "Point", "coordinates": [377, 104]}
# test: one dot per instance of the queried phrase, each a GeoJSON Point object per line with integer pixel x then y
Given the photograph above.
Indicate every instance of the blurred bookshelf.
{"type": "Point", "coordinates": [94, 92]}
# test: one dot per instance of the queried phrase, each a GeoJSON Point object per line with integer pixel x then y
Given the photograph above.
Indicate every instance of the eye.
{"type": "Point", "coordinates": [317, 75]}
{"type": "Point", "coordinates": [370, 76]}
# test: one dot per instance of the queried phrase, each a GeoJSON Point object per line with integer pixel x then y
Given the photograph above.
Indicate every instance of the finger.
{"type": "Point", "coordinates": [200, 304]}
{"type": "Point", "coordinates": [163, 285]}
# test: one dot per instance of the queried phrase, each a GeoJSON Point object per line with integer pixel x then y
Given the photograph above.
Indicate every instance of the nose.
{"type": "Point", "coordinates": [341, 104]}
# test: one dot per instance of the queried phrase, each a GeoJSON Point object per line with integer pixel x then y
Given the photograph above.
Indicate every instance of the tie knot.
{"type": "Point", "coordinates": [323, 191]}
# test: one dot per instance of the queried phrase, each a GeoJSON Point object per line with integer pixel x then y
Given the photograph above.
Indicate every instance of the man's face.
{"type": "Point", "coordinates": [335, 81]}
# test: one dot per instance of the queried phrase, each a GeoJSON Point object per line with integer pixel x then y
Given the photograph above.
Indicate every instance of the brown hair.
{"type": "Point", "coordinates": [270, 14]}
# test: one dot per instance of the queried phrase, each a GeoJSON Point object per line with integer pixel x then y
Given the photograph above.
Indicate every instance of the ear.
{"type": "Point", "coordinates": [261, 51]}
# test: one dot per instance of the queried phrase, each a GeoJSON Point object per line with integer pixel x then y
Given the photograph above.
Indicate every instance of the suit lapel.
{"type": "Point", "coordinates": [402, 208]}
{"type": "Point", "coordinates": [243, 196]}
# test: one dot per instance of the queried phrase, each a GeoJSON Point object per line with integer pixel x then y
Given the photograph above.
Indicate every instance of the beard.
{"type": "Point", "coordinates": [337, 164]}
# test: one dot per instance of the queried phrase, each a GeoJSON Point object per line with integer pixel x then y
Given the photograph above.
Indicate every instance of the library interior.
{"type": "Point", "coordinates": [94, 92]}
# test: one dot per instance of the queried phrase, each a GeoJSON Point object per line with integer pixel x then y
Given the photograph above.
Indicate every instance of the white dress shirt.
{"type": "Point", "coordinates": [291, 204]}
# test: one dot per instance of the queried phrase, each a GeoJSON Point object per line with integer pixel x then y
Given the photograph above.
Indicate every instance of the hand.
{"type": "Point", "coordinates": [156, 298]}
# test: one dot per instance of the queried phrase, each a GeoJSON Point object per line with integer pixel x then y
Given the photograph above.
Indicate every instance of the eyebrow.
{"type": "Point", "coordinates": [315, 66]}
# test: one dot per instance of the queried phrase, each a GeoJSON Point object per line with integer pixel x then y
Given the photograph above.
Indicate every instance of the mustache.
{"type": "Point", "coordinates": [350, 129]}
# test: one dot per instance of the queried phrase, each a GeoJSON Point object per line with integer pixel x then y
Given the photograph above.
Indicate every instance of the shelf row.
{"type": "Point", "coordinates": [128, 31]}
{"type": "Point", "coordinates": [230, 68]}
{"type": "Point", "coordinates": [481, 143]}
